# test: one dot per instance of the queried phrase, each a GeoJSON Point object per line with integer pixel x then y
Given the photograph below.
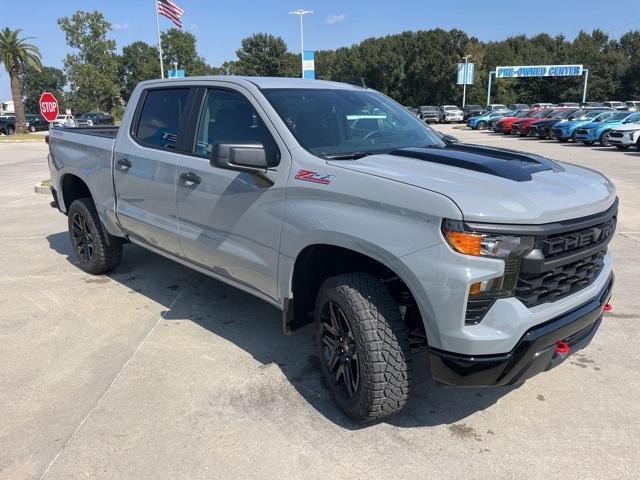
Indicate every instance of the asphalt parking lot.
{"type": "Point", "coordinates": [157, 372]}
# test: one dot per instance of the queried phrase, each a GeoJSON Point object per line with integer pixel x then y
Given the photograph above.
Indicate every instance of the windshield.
{"type": "Point", "coordinates": [451, 108]}
{"type": "Point", "coordinates": [428, 109]}
{"type": "Point", "coordinates": [473, 107]}
{"type": "Point", "coordinates": [602, 116]}
{"type": "Point", "coordinates": [562, 113]}
{"type": "Point", "coordinates": [616, 104]}
{"type": "Point", "coordinates": [334, 122]}
{"type": "Point", "coordinates": [619, 116]}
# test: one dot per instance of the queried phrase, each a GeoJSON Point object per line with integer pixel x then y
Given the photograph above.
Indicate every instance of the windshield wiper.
{"type": "Point", "coordinates": [348, 156]}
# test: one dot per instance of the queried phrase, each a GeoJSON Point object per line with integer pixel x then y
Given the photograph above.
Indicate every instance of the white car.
{"type": "Point", "coordinates": [626, 135]}
{"type": "Point", "coordinates": [451, 113]}
{"type": "Point", "coordinates": [64, 121]}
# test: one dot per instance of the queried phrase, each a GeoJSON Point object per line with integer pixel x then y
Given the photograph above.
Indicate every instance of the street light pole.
{"type": "Point", "coordinates": [301, 13]}
{"type": "Point", "coordinates": [464, 79]}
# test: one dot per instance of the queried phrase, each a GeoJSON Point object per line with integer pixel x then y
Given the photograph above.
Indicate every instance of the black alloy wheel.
{"type": "Point", "coordinates": [83, 241]}
{"type": "Point", "coordinates": [339, 349]}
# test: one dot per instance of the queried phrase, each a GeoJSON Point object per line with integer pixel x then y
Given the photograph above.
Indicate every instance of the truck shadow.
{"type": "Point", "coordinates": [256, 328]}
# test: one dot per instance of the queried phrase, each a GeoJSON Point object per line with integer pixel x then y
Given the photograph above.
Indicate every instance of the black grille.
{"type": "Point", "coordinates": [560, 282]}
{"type": "Point", "coordinates": [581, 131]}
{"type": "Point", "coordinates": [616, 134]}
{"type": "Point", "coordinates": [476, 308]}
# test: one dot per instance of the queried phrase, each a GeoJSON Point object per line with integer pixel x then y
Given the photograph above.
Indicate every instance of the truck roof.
{"type": "Point", "coordinates": [260, 82]}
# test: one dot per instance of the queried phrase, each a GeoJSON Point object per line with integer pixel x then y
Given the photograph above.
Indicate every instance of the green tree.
{"type": "Point", "coordinates": [35, 81]}
{"type": "Point", "coordinates": [92, 70]}
{"type": "Point", "coordinates": [16, 55]}
{"type": "Point", "coordinates": [264, 55]}
{"type": "Point", "coordinates": [139, 61]}
{"type": "Point", "coordinates": [180, 46]}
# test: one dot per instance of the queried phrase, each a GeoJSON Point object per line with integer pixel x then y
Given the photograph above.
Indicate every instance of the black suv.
{"type": "Point", "coordinates": [471, 111]}
{"type": "Point", "coordinates": [36, 122]}
{"type": "Point", "coordinates": [92, 119]}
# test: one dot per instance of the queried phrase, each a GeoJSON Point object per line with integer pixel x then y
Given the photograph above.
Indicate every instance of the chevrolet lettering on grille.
{"type": "Point", "coordinates": [584, 238]}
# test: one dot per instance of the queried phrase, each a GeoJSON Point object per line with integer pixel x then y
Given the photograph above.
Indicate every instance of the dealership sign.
{"type": "Point", "coordinates": [308, 65]}
{"type": "Point", "coordinates": [539, 71]}
{"type": "Point", "coordinates": [466, 73]}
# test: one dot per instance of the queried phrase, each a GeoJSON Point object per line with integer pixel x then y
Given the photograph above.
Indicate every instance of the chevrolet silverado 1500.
{"type": "Point", "coordinates": [341, 208]}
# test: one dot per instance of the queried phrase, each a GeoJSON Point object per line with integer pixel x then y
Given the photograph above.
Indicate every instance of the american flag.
{"type": "Point", "coordinates": [173, 12]}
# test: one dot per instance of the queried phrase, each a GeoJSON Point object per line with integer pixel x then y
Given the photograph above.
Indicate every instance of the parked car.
{"type": "Point", "coordinates": [8, 125]}
{"type": "Point", "coordinates": [591, 104]}
{"type": "Point", "coordinates": [521, 127]}
{"type": "Point", "coordinates": [36, 122]}
{"type": "Point", "coordinates": [504, 125]}
{"type": "Point", "coordinates": [92, 119]}
{"type": "Point", "coordinates": [391, 243]}
{"type": "Point", "coordinates": [632, 105]}
{"type": "Point", "coordinates": [541, 106]}
{"type": "Point", "coordinates": [519, 106]}
{"type": "Point", "coordinates": [497, 107]}
{"type": "Point", "coordinates": [568, 105]}
{"type": "Point", "coordinates": [429, 114]}
{"type": "Point", "coordinates": [450, 113]}
{"type": "Point", "coordinates": [471, 110]}
{"type": "Point", "coordinates": [593, 132]}
{"type": "Point", "coordinates": [565, 131]}
{"type": "Point", "coordinates": [542, 128]}
{"type": "Point", "coordinates": [64, 121]}
{"type": "Point", "coordinates": [615, 104]}
{"type": "Point", "coordinates": [624, 136]}
{"type": "Point", "coordinates": [480, 122]}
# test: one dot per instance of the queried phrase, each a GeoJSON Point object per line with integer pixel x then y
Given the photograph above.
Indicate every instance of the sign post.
{"type": "Point", "coordinates": [48, 107]}
{"type": "Point", "coordinates": [466, 74]}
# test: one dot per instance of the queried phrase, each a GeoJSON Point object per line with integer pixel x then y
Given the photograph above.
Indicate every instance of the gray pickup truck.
{"type": "Point", "coordinates": [341, 208]}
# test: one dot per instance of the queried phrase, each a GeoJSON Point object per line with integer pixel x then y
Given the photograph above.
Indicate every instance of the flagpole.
{"type": "Point", "coordinates": [159, 38]}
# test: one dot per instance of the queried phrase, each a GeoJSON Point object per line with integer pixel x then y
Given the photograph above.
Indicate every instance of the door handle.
{"type": "Point", "coordinates": [124, 163]}
{"type": "Point", "coordinates": [190, 179]}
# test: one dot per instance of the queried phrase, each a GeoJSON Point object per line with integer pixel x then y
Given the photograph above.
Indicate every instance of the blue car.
{"type": "Point", "coordinates": [593, 132]}
{"type": "Point", "coordinates": [565, 131]}
{"type": "Point", "coordinates": [480, 122]}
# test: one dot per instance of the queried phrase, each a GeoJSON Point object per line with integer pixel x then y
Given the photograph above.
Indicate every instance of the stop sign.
{"type": "Point", "coordinates": [48, 106]}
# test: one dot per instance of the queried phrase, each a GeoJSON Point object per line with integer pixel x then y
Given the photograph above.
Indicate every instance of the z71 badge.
{"type": "Point", "coordinates": [315, 177]}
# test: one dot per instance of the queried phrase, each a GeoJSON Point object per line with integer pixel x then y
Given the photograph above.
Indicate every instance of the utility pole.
{"type": "Point", "coordinates": [301, 13]}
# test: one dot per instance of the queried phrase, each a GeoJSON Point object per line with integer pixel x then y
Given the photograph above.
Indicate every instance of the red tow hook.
{"type": "Point", "coordinates": [562, 348]}
{"type": "Point", "coordinates": [607, 307]}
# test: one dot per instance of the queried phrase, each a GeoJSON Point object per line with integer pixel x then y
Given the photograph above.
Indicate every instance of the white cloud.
{"type": "Point", "coordinates": [122, 26]}
{"type": "Point", "coordinates": [333, 19]}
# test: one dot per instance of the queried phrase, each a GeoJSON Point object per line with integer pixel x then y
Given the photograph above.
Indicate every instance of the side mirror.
{"type": "Point", "coordinates": [450, 139]}
{"type": "Point", "coordinates": [245, 157]}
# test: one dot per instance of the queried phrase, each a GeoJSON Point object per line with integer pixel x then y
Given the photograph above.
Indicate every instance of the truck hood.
{"type": "Point", "coordinates": [495, 185]}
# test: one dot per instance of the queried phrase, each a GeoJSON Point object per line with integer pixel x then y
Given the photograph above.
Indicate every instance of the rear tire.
{"type": "Point", "coordinates": [604, 139]}
{"type": "Point", "coordinates": [10, 130]}
{"type": "Point", "coordinates": [32, 128]}
{"type": "Point", "coordinates": [361, 339]}
{"type": "Point", "coordinates": [96, 253]}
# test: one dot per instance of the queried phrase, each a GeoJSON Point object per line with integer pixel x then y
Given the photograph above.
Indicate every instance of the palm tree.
{"type": "Point", "coordinates": [16, 54]}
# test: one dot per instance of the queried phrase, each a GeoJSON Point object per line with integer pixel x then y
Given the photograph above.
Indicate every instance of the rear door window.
{"type": "Point", "coordinates": [161, 116]}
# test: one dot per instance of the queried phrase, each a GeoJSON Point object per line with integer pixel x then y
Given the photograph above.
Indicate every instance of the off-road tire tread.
{"type": "Point", "coordinates": [385, 367]}
{"type": "Point", "coordinates": [107, 255]}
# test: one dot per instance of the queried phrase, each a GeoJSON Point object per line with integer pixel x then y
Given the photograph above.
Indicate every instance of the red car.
{"type": "Point", "coordinates": [504, 124]}
{"type": "Point", "coordinates": [521, 126]}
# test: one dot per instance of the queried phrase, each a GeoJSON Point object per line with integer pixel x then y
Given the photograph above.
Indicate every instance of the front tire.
{"type": "Point", "coordinates": [96, 254]}
{"type": "Point", "coordinates": [622, 147]}
{"type": "Point", "coordinates": [363, 346]}
{"type": "Point", "coordinates": [481, 125]}
{"type": "Point", "coordinates": [10, 130]}
{"type": "Point", "coordinates": [32, 128]}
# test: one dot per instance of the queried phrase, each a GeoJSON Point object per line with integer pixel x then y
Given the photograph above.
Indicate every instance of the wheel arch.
{"type": "Point", "coordinates": [318, 261]}
{"type": "Point", "coordinates": [72, 187]}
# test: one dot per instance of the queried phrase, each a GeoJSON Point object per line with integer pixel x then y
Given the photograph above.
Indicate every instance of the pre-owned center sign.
{"type": "Point", "coordinates": [526, 71]}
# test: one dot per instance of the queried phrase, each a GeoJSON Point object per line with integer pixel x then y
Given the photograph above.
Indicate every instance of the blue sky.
{"type": "Point", "coordinates": [220, 25]}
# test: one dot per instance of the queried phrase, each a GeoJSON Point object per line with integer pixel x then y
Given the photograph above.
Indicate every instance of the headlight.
{"type": "Point", "coordinates": [508, 248]}
{"type": "Point", "coordinates": [483, 244]}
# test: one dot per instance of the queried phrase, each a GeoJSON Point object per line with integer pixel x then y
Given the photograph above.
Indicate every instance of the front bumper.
{"type": "Point", "coordinates": [534, 353]}
{"type": "Point", "coordinates": [626, 139]}
{"type": "Point", "coordinates": [590, 136]}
